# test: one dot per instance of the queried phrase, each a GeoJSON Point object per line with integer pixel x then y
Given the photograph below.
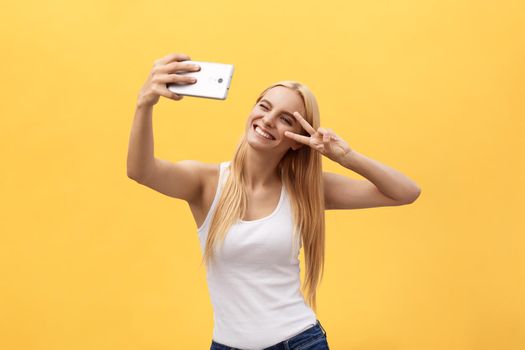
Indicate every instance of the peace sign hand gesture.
{"type": "Point", "coordinates": [322, 140]}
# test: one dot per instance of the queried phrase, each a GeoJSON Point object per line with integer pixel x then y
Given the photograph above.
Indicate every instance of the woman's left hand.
{"type": "Point", "coordinates": [323, 140]}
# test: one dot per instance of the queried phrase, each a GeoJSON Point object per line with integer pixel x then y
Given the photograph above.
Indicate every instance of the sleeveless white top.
{"type": "Point", "coordinates": [254, 280]}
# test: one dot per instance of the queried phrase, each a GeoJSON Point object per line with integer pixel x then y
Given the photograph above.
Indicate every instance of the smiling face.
{"type": "Point", "coordinates": [272, 116]}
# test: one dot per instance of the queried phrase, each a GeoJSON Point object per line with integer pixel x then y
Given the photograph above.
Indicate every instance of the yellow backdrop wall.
{"type": "Point", "coordinates": [91, 260]}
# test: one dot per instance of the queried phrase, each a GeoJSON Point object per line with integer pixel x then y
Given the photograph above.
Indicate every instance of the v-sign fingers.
{"type": "Point", "coordinates": [304, 123]}
{"type": "Point", "coordinates": [299, 138]}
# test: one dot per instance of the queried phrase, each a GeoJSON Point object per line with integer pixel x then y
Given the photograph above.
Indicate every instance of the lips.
{"type": "Point", "coordinates": [263, 129]}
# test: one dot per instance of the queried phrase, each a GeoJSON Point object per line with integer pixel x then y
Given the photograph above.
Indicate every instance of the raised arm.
{"type": "Point", "coordinates": [182, 179]}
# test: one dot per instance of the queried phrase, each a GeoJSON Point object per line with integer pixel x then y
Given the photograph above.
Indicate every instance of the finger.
{"type": "Point", "coordinates": [163, 91]}
{"type": "Point", "coordinates": [174, 67]}
{"type": "Point", "coordinates": [327, 142]}
{"type": "Point", "coordinates": [325, 134]}
{"type": "Point", "coordinates": [174, 79]}
{"type": "Point", "coordinates": [304, 123]}
{"type": "Point", "coordinates": [329, 132]}
{"type": "Point", "coordinates": [172, 57]}
{"type": "Point", "coordinates": [299, 138]}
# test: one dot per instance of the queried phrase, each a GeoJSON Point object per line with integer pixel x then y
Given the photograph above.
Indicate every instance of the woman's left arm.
{"type": "Point", "coordinates": [384, 186]}
{"type": "Point", "coordinates": [389, 181]}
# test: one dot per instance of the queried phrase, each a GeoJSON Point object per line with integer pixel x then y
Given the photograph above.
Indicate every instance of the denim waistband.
{"type": "Point", "coordinates": [287, 344]}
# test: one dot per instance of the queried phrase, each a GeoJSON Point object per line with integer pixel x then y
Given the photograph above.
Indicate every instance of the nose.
{"type": "Point", "coordinates": [268, 119]}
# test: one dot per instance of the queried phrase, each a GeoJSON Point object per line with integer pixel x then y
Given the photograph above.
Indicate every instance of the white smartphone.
{"type": "Point", "coordinates": [213, 81]}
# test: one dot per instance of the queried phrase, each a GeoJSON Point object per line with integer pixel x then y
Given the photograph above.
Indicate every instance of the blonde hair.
{"type": "Point", "coordinates": [301, 174]}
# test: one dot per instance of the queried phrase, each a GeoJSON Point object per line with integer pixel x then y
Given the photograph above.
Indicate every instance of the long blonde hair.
{"type": "Point", "coordinates": [301, 174]}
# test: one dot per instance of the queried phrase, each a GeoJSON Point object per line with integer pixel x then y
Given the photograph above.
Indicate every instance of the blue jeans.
{"type": "Point", "coordinates": [313, 338]}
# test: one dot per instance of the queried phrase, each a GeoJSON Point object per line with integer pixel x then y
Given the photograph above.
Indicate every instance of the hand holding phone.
{"type": "Point", "coordinates": [213, 81]}
{"type": "Point", "coordinates": [163, 73]}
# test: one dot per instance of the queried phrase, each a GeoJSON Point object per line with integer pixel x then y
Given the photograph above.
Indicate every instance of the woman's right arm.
{"type": "Point", "coordinates": [140, 149]}
{"type": "Point", "coordinates": [182, 179]}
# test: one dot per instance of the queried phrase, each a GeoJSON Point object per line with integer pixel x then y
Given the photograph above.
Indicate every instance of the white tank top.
{"type": "Point", "coordinates": [254, 281]}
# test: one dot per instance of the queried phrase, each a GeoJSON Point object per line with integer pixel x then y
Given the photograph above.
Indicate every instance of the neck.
{"type": "Point", "coordinates": [261, 170]}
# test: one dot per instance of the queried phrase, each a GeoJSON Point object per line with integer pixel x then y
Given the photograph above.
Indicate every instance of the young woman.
{"type": "Point", "coordinates": [255, 212]}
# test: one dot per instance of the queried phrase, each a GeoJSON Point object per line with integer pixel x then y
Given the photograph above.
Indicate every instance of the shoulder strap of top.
{"type": "Point", "coordinates": [222, 177]}
{"type": "Point", "coordinates": [223, 169]}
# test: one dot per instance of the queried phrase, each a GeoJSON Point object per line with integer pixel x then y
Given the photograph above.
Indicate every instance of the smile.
{"type": "Point", "coordinates": [262, 134]}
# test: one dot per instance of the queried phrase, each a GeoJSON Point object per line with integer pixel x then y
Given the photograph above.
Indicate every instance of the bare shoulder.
{"type": "Point", "coordinates": [201, 205]}
{"type": "Point", "coordinates": [208, 174]}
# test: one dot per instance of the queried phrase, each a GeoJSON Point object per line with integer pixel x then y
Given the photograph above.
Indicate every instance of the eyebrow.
{"type": "Point", "coordinates": [284, 112]}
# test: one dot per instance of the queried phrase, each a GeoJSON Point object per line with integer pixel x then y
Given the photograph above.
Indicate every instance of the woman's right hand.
{"type": "Point", "coordinates": [163, 73]}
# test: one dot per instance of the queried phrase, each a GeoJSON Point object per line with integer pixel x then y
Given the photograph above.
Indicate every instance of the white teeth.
{"type": "Point", "coordinates": [262, 133]}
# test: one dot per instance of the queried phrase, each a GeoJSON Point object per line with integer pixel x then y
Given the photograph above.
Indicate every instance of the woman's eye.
{"type": "Point", "coordinates": [287, 120]}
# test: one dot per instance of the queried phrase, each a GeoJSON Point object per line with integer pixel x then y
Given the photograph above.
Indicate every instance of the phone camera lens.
{"type": "Point", "coordinates": [220, 80]}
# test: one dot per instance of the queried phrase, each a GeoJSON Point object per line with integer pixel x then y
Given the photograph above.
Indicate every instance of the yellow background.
{"type": "Point", "coordinates": [89, 259]}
